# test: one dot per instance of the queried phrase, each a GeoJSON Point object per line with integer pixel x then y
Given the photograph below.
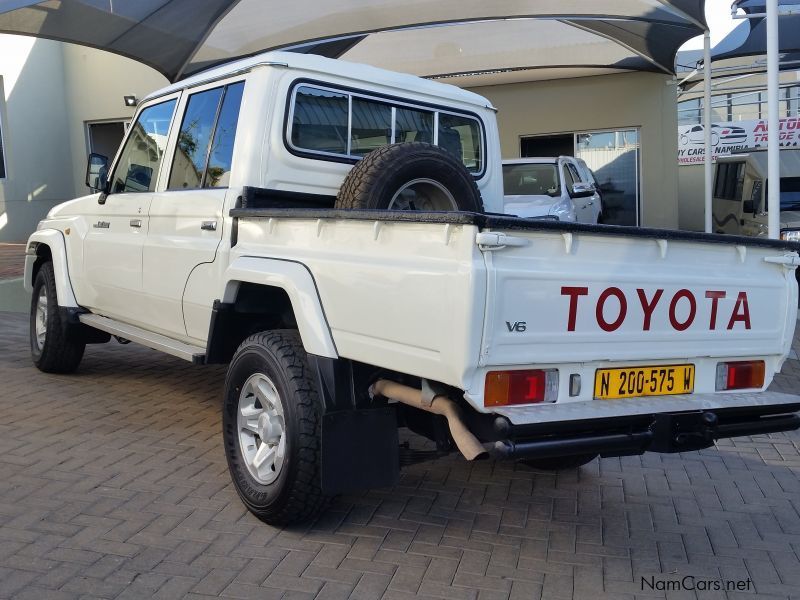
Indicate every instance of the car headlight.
{"type": "Point", "coordinates": [790, 235]}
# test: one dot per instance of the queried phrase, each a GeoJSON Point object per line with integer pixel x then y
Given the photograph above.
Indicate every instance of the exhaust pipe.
{"type": "Point", "coordinates": [466, 442]}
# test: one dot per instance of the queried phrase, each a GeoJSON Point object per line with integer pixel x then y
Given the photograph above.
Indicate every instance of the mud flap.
{"type": "Point", "coordinates": [360, 450]}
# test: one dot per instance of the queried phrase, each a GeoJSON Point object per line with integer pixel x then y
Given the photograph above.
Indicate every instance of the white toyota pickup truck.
{"type": "Point", "coordinates": [330, 231]}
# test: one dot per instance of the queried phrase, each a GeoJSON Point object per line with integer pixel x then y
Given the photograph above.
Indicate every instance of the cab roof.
{"type": "Point", "coordinates": [319, 65]}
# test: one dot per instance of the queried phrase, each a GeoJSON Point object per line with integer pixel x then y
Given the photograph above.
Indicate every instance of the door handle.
{"type": "Point", "coordinates": [209, 226]}
{"type": "Point", "coordinates": [136, 223]}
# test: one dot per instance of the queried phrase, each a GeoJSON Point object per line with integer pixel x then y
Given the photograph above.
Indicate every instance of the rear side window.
{"type": "Point", "coordinates": [218, 172]}
{"type": "Point", "coordinates": [346, 124]}
{"type": "Point", "coordinates": [371, 127]}
{"type": "Point", "coordinates": [462, 137]}
{"type": "Point", "coordinates": [205, 142]}
{"type": "Point", "coordinates": [137, 169]}
{"type": "Point", "coordinates": [319, 122]}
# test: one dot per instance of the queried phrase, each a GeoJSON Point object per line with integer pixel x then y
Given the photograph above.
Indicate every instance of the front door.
{"type": "Point", "coordinates": [116, 232]}
{"type": "Point", "coordinates": [186, 219]}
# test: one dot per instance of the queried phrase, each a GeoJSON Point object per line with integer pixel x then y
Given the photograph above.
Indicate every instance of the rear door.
{"type": "Point", "coordinates": [186, 217]}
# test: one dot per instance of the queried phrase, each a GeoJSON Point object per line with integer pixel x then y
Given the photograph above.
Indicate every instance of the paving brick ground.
{"type": "Point", "coordinates": [113, 484]}
{"type": "Point", "coordinates": [12, 260]}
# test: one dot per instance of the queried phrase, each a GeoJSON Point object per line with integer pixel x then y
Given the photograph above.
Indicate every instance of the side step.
{"type": "Point", "coordinates": [194, 354]}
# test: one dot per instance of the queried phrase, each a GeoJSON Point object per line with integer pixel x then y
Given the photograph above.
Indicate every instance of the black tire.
{"type": "Point", "coordinates": [375, 180]}
{"type": "Point", "coordinates": [295, 495]}
{"type": "Point", "coordinates": [559, 463]}
{"type": "Point", "coordinates": [58, 351]}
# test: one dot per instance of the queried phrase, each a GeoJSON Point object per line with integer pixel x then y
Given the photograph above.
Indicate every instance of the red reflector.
{"type": "Point", "coordinates": [741, 375]}
{"type": "Point", "coordinates": [504, 388]}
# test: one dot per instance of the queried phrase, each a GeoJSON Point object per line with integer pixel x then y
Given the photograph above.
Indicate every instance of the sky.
{"type": "Point", "coordinates": [718, 15]}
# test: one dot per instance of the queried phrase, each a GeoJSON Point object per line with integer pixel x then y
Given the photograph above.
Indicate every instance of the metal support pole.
{"type": "Point", "coordinates": [708, 167]}
{"type": "Point", "coordinates": [773, 126]}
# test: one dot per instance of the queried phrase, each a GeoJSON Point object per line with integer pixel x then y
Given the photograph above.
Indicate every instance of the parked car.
{"type": "Point", "coordinates": [558, 187]}
{"type": "Point", "coordinates": [319, 226]}
{"type": "Point", "coordinates": [740, 195]}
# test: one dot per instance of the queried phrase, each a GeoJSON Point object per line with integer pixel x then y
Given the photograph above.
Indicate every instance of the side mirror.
{"type": "Point", "coordinates": [582, 190]}
{"type": "Point", "coordinates": [749, 207]}
{"type": "Point", "coordinates": [97, 173]}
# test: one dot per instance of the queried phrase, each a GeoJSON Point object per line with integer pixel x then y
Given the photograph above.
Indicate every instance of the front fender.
{"type": "Point", "coordinates": [298, 283]}
{"type": "Point", "coordinates": [54, 240]}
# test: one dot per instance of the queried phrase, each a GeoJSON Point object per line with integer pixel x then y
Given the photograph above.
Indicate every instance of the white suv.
{"type": "Point", "coordinates": [555, 187]}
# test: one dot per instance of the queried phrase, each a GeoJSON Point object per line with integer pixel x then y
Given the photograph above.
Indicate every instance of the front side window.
{"type": "Point", "coordinates": [350, 125]}
{"type": "Point", "coordinates": [139, 162]}
{"type": "Point", "coordinates": [574, 172]}
{"type": "Point", "coordinates": [568, 180]}
{"type": "Point", "coordinates": [204, 150]}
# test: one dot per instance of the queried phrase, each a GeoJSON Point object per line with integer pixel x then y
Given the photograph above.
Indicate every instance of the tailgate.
{"type": "Point", "coordinates": [559, 296]}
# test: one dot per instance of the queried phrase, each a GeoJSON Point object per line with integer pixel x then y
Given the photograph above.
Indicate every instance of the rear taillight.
{"type": "Point", "coordinates": [740, 375]}
{"type": "Point", "coordinates": [505, 388]}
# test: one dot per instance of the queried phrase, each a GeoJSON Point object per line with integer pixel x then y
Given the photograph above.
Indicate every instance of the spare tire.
{"type": "Point", "coordinates": [410, 176]}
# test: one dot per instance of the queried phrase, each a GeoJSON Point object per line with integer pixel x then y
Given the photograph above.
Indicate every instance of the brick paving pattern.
{"type": "Point", "coordinates": [12, 260]}
{"type": "Point", "coordinates": [113, 484]}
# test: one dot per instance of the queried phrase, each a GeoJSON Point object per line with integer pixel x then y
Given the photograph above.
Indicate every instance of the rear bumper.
{"type": "Point", "coordinates": [679, 431]}
{"type": "Point", "coordinates": [629, 407]}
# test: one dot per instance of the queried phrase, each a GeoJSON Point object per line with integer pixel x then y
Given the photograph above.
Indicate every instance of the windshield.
{"type": "Point", "coordinates": [530, 180]}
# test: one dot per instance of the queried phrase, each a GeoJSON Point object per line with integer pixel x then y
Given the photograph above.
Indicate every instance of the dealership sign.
{"type": "Point", "coordinates": [727, 138]}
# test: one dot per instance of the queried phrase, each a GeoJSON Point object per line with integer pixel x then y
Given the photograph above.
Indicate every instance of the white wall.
{"type": "Point", "coordinates": [95, 84]}
{"type": "Point", "coordinates": [644, 100]}
{"type": "Point", "coordinates": [33, 117]}
{"type": "Point", "coordinates": [49, 91]}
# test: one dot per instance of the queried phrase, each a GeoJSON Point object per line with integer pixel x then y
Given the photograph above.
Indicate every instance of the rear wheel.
{"type": "Point", "coordinates": [559, 463]}
{"type": "Point", "coordinates": [271, 429]}
{"type": "Point", "coordinates": [410, 176]}
{"type": "Point", "coordinates": [54, 348]}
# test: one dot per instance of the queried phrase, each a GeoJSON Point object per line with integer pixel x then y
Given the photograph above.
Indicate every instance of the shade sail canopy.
{"type": "Point", "coordinates": [755, 42]}
{"type": "Point", "coordinates": [181, 37]}
{"type": "Point", "coordinates": [743, 51]}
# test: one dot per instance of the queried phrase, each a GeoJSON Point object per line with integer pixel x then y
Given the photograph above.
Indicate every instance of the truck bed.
{"type": "Point", "coordinates": [423, 294]}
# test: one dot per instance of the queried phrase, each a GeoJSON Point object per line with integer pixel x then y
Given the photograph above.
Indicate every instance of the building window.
{"type": "Point", "coordinates": [689, 112]}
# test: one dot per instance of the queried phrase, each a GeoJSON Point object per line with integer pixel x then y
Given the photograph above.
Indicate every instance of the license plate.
{"type": "Point", "coordinates": [632, 382]}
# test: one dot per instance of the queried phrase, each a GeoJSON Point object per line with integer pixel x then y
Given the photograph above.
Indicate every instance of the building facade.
{"type": "Point", "coordinates": [58, 102]}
